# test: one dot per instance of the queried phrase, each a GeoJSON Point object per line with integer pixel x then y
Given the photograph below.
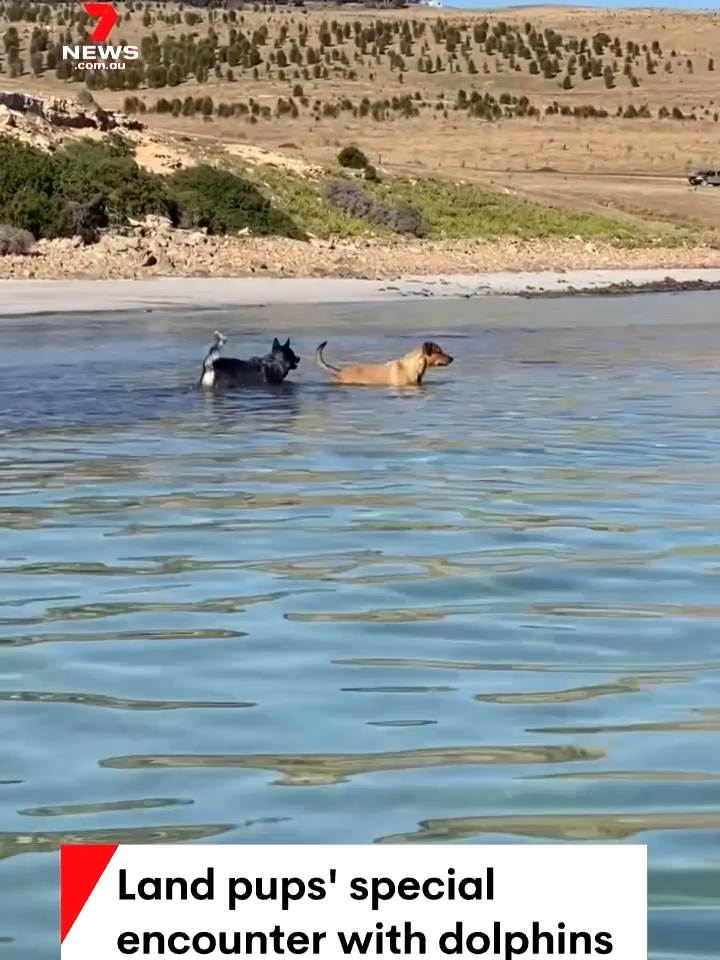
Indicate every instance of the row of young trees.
{"type": "Point", "coordinates": [174, 61]}
{"type": "Point", "coordinates": [474, 104]}
{"type": "Point", "coordinates": [342, 48]}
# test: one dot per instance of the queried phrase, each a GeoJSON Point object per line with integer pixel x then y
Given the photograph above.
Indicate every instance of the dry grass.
{"type": "Point", "coordinates": [609, 165]}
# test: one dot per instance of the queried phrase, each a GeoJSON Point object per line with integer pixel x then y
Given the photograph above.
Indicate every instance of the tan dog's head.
{"type": "Point", "coordinates": [435, 356]}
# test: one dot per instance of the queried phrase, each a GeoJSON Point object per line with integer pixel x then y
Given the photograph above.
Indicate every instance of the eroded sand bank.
{"type": "Point", "coordinates": [19, 297]}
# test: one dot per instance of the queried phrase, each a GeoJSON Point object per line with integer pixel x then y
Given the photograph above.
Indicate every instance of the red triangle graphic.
{"type": "Point", "coordinates": [81, 866]}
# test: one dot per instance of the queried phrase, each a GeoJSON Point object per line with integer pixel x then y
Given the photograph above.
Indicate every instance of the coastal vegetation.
{"type": "Point", "coordinates": [530, 121]}
{"type": "Point", "coordinates": [87, 187]}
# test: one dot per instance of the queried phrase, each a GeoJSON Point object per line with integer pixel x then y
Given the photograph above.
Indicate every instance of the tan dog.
{"type": "Point", "coordinates": [407, 371]}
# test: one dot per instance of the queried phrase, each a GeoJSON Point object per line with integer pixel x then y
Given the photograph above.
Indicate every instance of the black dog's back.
{"type": "Point", "coordinates": [232, 372]}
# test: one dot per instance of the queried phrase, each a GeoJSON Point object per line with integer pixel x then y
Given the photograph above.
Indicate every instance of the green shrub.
{"type": "Point", "coordinates": [107, 174]}
{"type": "Point", "coordinates": [76, 190]}
{"type": "Point", "coordinates": [353, 158]}
{"type": "Point", "coordinates": [80, 189]}
{"type": "Point", "coordinates": [28, 199]}
{"type": "Point", "coordinates": [225, 203]}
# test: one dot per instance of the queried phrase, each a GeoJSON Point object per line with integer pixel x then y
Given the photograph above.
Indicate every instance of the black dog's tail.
{"type": "Point", "coordinates": [207, 377]}
{"type": "Point", "coordinates": [321, 360]}
{"type": "Point", "coordinates": [213, 353]}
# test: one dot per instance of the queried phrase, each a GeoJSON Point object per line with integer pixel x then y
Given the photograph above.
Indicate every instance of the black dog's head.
{"type": "Point", "coordinates": [285, 354]}
{"type": "Point", "coordinates": [277, 364]}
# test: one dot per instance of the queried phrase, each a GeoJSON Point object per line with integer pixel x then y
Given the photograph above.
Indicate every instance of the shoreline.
{"type": "Point", "coordinates": [25, 297]}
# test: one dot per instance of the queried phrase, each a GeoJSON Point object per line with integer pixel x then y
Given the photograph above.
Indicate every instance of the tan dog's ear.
{"type": "Point", "coordinates": [428, 348]}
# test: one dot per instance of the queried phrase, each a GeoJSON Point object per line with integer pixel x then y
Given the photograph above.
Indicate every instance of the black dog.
{"type": "Point", "coordinates": [273, 368]}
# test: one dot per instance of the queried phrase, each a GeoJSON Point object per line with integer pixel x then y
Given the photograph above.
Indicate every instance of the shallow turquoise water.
{"type": "Point", "coordinates": [484, 612]}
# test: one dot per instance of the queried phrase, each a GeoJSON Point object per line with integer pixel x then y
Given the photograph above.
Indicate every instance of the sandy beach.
{"type": "Point", "coordinates": [18, 297]}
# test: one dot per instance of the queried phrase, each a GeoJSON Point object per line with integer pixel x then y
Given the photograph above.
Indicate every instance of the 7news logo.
{"type": "Point", "coordinates": [96, 54]}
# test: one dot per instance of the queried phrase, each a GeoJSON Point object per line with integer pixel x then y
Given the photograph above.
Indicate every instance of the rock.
{"type": "Point", "coordinates": [157, 223]}
{"type": "Point", "coordinates": [157, 245]}
{"type": "Point", "coordinates": [149, 260]}
{"type": "Point", "coordinates": [118, 244]}
{"type": "Point", "coordinates": [66, 113]}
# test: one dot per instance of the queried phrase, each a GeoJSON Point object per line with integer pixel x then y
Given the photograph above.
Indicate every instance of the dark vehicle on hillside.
{"type": "Point", "coordinates": [705, 178]}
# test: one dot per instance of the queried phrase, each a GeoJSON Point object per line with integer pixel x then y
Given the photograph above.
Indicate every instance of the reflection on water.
{"type": "Point", "coordinates": [69, 809]}
{"type": "Point", "coordinates": [710, 722]}
{"type": "Point", "coordinates": [297, 770]}
{"type": "Point", "coordinates": [448, 615]}
{"type": "Point", "coordinates": [565, 827]}
{"type": "Point", "coordinates": [688, 775]}
{"type": "Point", "coordinates": [622, 685]}
{"type": "Point", "coordinates": [116, 703]}
{"type": "Point", "coordinates": [12, 844]}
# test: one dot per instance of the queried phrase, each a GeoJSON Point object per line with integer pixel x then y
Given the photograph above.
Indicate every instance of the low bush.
{"type": "Point", "coordinates": [81, 189]}
{"type": "Point", "coordinates": [400, 216]}
{"type": "Point", "coordinates": [225, 203]}
{"type": "Point", "coordinates": [349, 196]}
{"type": "Point", "coordinates": [14, 242]}
{"type": "Point", "coordinates": [353, 158]}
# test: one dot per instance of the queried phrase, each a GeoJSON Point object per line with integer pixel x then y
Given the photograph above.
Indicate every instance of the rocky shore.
{"type": "Point", "coordinates": [155, 249]}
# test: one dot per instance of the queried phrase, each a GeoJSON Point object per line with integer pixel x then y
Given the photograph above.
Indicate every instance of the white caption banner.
{"type": "Point", "coordinates": [338, 901]}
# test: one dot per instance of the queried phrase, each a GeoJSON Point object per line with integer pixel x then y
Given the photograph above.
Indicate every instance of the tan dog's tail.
{"type": "Point", "coordinates": [321, 360]}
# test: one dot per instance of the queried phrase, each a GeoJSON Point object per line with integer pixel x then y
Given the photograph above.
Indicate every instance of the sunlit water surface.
{"type": "Point", "coordinates": [483, 612]}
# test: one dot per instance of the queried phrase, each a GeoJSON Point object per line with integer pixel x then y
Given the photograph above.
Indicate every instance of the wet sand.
{"type": "Point", "coordinates": [19, 297]}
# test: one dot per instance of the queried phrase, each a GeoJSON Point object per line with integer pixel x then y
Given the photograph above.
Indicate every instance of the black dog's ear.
{"type": "Point", "coordinates": [276, 344]}
{"type": "Point", "coordinates": [287, 342]}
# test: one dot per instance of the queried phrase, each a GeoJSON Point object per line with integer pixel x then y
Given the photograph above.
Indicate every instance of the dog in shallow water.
{"type": "Point", "coordinates": [228, 372]}
{"type": "Point", "coordinates": [406, 371]}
